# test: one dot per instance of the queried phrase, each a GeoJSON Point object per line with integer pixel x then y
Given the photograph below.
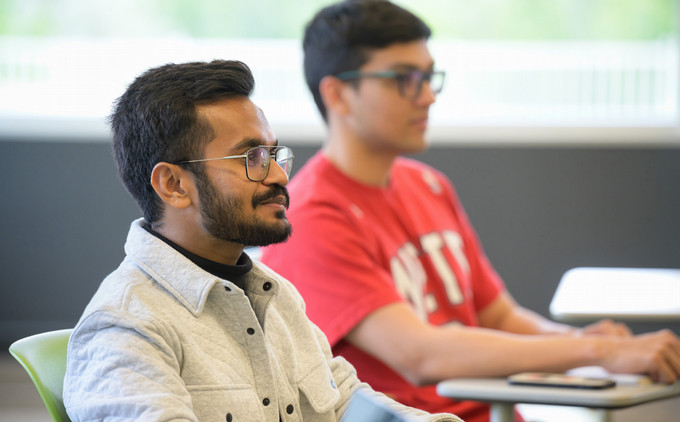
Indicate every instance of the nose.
{"type": "Point", "coordinates": [276, 174]}
{"type": "Point", "coordinates": [426, 96]}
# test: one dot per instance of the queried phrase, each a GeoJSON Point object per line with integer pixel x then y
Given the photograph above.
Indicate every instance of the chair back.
{"type": "Point", "coordinates": [44, 358]}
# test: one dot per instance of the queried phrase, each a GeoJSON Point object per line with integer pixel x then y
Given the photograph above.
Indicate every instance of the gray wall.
{"type": "Point", "coordinates": [538, 211]}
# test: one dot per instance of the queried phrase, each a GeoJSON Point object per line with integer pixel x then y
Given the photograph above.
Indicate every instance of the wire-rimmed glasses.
{"type": "Point", "coordinates": [258, 159]}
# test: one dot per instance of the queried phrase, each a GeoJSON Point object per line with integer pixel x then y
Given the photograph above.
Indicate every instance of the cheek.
{"type": "Point", "coordinates": [235, 191]}
{"type": "Point", "coordinates": [382, 116]}
{"type": "Point", "coordinates": [388, 124]}
{"type": "Point", "coordinates": [390, 111]}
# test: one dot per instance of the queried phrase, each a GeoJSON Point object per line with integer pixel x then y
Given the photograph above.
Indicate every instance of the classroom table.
{"type": "Point", "coordinates": [628, 294]}
{"type": "Point", "coordinates": [502, 396]}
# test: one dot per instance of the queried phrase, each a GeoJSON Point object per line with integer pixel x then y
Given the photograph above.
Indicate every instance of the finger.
{"type": "Point", "coordinates": [672, 358]}
{"type": "Point", "coordinates": [665, 372]}
{"type": "Point", "coordinates": [624, 330]}
{"type": "Point", "coordinates": [667, 362]}
{"type": "Point", "coordinates": [603, 326]}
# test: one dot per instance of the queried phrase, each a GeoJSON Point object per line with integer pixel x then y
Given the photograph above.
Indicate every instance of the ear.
{"type": "Point", "coordinates": [172, 184]}
{"type": "Point", "coordinates": [332, 92]}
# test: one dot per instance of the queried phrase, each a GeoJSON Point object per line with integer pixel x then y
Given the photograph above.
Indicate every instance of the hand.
{"type": "Point", "coordinates": [607, 327]}
{"type": "Point", "coordinates": [656, 354]}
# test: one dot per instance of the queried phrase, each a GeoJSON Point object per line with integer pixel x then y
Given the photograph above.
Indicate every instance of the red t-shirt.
{"type": "Point", "coordinates": [356, 248]}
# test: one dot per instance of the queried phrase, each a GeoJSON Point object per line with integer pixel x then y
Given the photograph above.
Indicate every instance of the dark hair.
{"type": "Point", "coordinates": [156, 120]}
{"type": "Point", "coordinates": [342, 36]}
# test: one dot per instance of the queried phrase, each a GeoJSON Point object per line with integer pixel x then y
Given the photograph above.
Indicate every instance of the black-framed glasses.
{"type": "Point", "coordinates": [258, 159]}
{"type": "Point", "coordinates": [410, 82]}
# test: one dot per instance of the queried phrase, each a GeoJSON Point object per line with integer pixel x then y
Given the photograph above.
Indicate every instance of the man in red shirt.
{"type": "Point", "coordinates": [382, 251]}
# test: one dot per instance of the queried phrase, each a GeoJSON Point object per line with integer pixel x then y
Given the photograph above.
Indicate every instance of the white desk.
{"type": "Point", "coordinates": [628, 294]}
{"type": "Point", "coordinates": [502, 397]}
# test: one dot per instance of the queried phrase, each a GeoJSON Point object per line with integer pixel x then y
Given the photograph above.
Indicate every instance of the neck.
{"type": "Point", "coordinates": [358, 159]}
{"type": "Point", "coordinates": [199, 242]}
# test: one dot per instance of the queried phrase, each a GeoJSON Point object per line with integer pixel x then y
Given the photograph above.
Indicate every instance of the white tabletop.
{"type": "Point", "coordinates": [498, 390]}
{"type": "Point", "coordinates": [634, 294]}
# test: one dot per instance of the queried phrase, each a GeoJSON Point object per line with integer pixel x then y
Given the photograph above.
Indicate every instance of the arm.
{"type": "Point", "coordinates": [505, 314]}
{"type": "Point", "coordinates": [423, 353]}
{"type": "Point", "coordinates": [132, 374]}
{"type": "Point", "coordinates": [345, 380]}
{"type": "Point", "coordinates": [349, 386]}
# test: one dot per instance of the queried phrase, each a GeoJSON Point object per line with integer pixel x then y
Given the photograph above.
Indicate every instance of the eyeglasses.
{"type": "Point", "coordinates": [257, 160]}
{"type": "Point", "coordinates": [410, 82]}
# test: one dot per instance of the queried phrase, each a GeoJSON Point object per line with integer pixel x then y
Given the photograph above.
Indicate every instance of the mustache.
{"type": "Point", "coordinates": [273, 192]}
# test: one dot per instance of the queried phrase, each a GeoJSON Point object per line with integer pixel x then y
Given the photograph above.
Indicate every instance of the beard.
{"type": "Point", "coordinates": [225, 217]}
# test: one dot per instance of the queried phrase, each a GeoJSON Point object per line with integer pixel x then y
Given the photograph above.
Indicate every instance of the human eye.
{"type": "Point", "coordinates": [402, 77]}
{"type": "Point", "coordinates": [409, 81]}
{"type": "Point", "coordinates": [415, 76]}
{"type": "Point", "coordinates": [257, 157]}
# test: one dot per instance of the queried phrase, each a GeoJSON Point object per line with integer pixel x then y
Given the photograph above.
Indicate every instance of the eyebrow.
{"type": "Point", "coordinates": [248, 143]}
{"type": "Point", "coordinates": [409, 67]}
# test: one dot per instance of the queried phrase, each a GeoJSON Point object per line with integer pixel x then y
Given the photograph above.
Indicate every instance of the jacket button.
{"type": "Point", "coordinates": [229, 418]}
{"type": "Point", "coordinates": [265, 401]}
{"type": "Point", "coordinates": [267, 286]}
{"type": "Point", "coordinates": [289, 409]}
{"type": "Point", "coordinates": [251, 331]}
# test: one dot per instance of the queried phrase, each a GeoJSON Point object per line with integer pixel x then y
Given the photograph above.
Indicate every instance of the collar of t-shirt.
{"type": "Point", "coordinates": [233, 273]}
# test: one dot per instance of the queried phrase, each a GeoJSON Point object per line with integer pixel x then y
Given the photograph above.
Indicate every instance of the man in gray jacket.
{"type": "Point", "coordinates": [188, 327]}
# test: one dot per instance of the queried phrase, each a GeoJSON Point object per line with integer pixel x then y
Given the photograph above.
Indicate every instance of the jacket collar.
{"type": "Point", "coordinates": [173, 271]}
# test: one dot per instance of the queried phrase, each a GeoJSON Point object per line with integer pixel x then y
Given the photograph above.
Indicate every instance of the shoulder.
{"type": "Point", "coordinates": [115, 290]}
{"type": "Point", "coordinates": [130, 296]}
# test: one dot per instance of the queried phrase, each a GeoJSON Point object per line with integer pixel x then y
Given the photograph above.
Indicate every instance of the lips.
{"type": "Point", "coordinates": [420, 122]}
{"type": "Point", "coordinates": [278, 195]}
{"type": "Point", "coordinates": [279, 200]}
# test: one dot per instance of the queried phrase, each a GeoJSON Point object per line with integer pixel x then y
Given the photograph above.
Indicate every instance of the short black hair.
{"type": "Point", "coordinates": [342, 36]}
{"type": "Point", "coordinates": [156, 120]}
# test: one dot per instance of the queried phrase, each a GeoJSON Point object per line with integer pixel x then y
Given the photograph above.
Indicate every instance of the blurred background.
{"type": "Point", "coordinates": [510, 63]}
{"type": "Point", "coordinates": [558, 124]}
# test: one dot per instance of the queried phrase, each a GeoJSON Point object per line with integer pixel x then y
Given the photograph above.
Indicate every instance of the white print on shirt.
{"type": "Point", "coordinates": [410, 277]}
{"type": "Point", "coordinates": [432, 182]}
{"type": "Point", "coordinates": [357, 211]}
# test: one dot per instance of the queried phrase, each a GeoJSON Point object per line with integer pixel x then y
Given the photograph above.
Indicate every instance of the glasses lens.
{"type": "Point", "coordinates": [257, 163]}
{"type": "Point", "coordinates": [284, 158]}
{"type": "Point", "coordinates": [437, 81]}
{"type": "Point", "coordinates": [410, 83]}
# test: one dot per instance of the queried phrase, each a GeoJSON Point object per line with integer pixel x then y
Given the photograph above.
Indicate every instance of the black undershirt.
{"type": "Point", "coordinates": [233, 273]}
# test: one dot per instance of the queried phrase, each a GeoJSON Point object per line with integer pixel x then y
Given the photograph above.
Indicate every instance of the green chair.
{"type": "Point", "coordinates": [44, 358]}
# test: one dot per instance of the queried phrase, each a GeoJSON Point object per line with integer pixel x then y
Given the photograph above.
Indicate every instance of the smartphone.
{"type": "Point", "coordinates": [546, 379]}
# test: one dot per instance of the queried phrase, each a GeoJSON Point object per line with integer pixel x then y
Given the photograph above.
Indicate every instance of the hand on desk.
{"type": "Point", "coordinates": [606, 327]}
{"type": "Point", "coordinates": [655, 354]}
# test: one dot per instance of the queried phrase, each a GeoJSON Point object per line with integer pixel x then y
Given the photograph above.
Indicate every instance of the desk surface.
{"type": "Point", "coordinates": [633, 294]}
{"type": "Point", "coordinates": [498, 390]}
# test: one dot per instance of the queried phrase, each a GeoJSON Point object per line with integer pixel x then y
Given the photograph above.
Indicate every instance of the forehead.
{"type": "Point", "coordinates": [414, 54]}
{"type": "Point", "coordinates": [236, 119]}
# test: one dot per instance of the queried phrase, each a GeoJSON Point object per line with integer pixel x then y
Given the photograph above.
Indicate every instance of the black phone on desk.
{"type": "Point", "coordinates": [547, 379]}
